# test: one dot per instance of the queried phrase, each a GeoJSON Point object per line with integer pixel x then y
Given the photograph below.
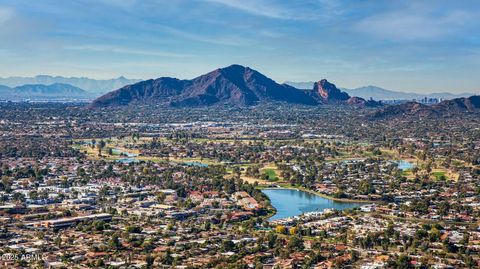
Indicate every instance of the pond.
{"type": "Point", "coordinates": [199, 164]}
{"type": "Point", "coordinates": [124, 153]}
{"type": "Point", "coordinates": [289, 202]}
{"type": "Point", "coordinates": [404, 165]}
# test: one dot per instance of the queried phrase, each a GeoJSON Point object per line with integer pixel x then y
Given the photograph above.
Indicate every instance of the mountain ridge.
{"type": "Point", "coordinates": [233, 85]}
{"type": "Point", "coordinates": [99, 86]}
{"type": "Point", "coordinates": [379, 93]}
{"type": "Point", "coordinates": [54, 91]}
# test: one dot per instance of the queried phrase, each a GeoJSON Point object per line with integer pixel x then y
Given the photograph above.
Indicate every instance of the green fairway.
{"type": "Point", "coordinates": [439, 175]}
{"type": "Point", "coordinates": [271, 174]}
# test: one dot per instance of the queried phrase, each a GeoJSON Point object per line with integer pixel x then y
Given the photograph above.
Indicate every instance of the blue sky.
{"type": "Point", "coordinates": [421, 46]}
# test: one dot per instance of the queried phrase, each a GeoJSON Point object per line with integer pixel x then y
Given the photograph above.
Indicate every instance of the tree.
{"type": "Point", "coordinates": [161, 197]}
{"type": "Point", "coordinates": [434, 235]}
{"type": "Point", "coordinates": [114, 242]}
{"type": "Point", "coordinates": [81, 172]}
{"type": "Point", "coordinates": [33, 195]}
{"type": "Point", "coordinates": [237, 171]}
{"type": "Point", "coordinates": [133, 229]}
{"type": "Point", "coordinates": [402, 262]}
{"type": "Point", "coordinates": [100, 146]}
{"type": "Point", "coordinates": [469, 262]}
{"type": "Point", "coordinates": [3, 199]}
{"type": "Point", "coordinates": [295, 243]}
{"type": "Point", "coordinates": [271, 240]}
{"type": "Point", "coordinates": [166, 258]}
{"type": "Point", "coordinates": [18, 197]}
{"type": "Point", "coordinates": [58, 241]}
{"type": "Point", "coordinates": [227, 245]}
{"type": "Point", "coordinates": [366, 187]}
{"type": "Point", "coordinates": [280, 229]}
{"type": "Point", "coordinates": [149, 260]}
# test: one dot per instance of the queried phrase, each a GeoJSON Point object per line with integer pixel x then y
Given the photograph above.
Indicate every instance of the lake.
{"type": "Point", "coordinates": [291, 203]}
{"type": "Point", "coordinates": [129, 157]}
{"type": "Point", "coordinates": [119, 152]}
{"type": "Point", "coordinates": [199, 164]}
{"type": "Point", "coordinates": [404, 165]}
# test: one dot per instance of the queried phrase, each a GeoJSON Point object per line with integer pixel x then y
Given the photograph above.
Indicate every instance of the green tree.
{"type": "Point", "coordinates": [149, 260]}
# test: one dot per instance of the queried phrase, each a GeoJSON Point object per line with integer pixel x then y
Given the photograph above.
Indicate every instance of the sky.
{"type": "Point", "coordinates": [422, 46]}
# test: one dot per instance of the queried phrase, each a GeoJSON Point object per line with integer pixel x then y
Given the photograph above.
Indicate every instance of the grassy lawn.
{"type": "Point", "coordinates": [344, 154]}
{"type": "Point", "coordinates": [272, 176]}
{"type": "Point", "coordinates": [368, 154]}
{"type": "Point", "coordinates": [193, 160]}
{"type": "Point", "coordinates": [439, 175]}
{"type": "Point", "coordinates": [92, 153]}
{"type": "Point", "coordinates": [407, 173]}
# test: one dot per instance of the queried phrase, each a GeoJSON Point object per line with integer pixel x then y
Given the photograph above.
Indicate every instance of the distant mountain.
{"type": "Point", "coordinates": [56, 91]}
{"type": "Point", "coordinates": [378, 93]}
{"type": "Point", "coordinates": [446, 95]}
{"type": "Point", "coordinates": [235, 85]}
{"type": "Point", "coordinates": [53, 90]}
{"type": "Point", "coordinates": [4, 90]}
{"type": "Point", "coordinates": [455, 106]}
{"type": "Point", "coordinates": [91, 85]}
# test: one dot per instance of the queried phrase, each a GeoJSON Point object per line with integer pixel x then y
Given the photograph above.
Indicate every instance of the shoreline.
{"type": "Point", "coordinates": [340, 200]}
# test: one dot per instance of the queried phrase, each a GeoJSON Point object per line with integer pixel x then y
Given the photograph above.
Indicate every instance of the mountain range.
{"type": "Point", "coordinates": [463, 105]}
{"type": "Point", "coordinates": [91, 85]}
{"type": "Point", "coordinates": [234, 85]}
{"type": "Point", "coordinates": [377, 93]}
{"type": "Point", "coordinates": [98, 87]}
{"type": "Point", "coordinates": [56, 91]}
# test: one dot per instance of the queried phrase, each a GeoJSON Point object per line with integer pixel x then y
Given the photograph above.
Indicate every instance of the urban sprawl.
{"type": "Point", "coordinates": [184, 188]}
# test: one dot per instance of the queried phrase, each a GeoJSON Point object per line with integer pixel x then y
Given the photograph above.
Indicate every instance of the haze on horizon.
{"type": "Point", "coordinates": [422, 46]}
